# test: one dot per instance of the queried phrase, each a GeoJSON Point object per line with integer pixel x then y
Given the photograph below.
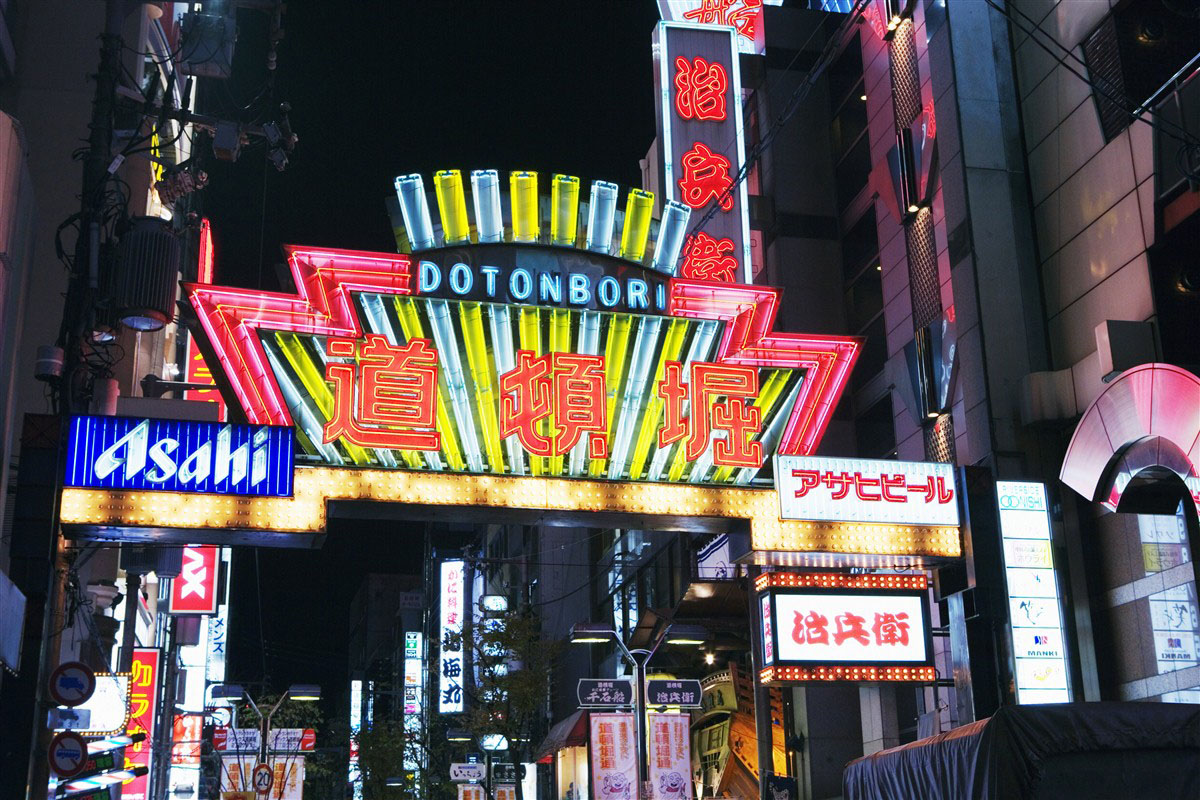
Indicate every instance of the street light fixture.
{"type": "Point", "coordinates": [303, 692]}
{"type": "Point", "coordinates": [458, 735]}
{"type": "Point", "coordinates": [599, 633]}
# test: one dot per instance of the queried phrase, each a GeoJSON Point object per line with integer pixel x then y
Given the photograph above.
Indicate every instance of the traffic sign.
{"type": "Point", "coordinates": [460, 772]}
{"type": "Point", "coordinates": [674, 693]}
{"type": "Point", "coordinates": [604, 693]}
{"type": "Point", "coordinates": [67, 755]}
{"type": "Point", "coordinates": [263, 779]}
{"type": "Point", "coordinates": [72, 683]}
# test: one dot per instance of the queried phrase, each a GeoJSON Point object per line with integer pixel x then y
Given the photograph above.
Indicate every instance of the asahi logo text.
{"type": "Point", "coordinates": [159, 461]}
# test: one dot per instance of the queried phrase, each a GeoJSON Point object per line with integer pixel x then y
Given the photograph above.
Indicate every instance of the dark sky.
{"type": "Point", "coordinates": [380, 89]}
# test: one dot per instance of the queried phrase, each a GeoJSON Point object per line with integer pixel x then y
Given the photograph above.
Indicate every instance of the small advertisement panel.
{"type": "Point", "coordinates": [195, 590]}
{"type": "Point", "coordinates": [143, 704]}
{"type": "Point", "coordinates": [180, 456]}
{"type": "Point", "coordinates": [1035, 619]}
{"type": "Point", "coordinates": [613, 744]}
{"type": "Point", "coordinates": [670, 765]}
{"type": "Point", "coordinates": [865, 490]}
{"type": "Point", "coordinates": [840, 626]}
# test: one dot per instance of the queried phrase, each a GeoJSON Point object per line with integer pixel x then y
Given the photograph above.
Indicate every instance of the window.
{"type": "Point", "coordinates": [874, 431]}
{"type": "Point", "coordinates": [853, 171]}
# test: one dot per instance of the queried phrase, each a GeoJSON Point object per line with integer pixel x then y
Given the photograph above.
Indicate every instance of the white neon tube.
{"type": "Point", "coordinates": [506, 359]}
{"type": "Point", "coordinates": [447, 346]}
{"type": "Point", "coordinates": [635, 387]}
{"type": "Point", "coordinates": [414, 207]}
{"type": "Point", "coordinates": [671, 233]}
{"type": "Point", "coordinates": [602, 217]}
{"type": "Point", "coordinates": [485, 196]}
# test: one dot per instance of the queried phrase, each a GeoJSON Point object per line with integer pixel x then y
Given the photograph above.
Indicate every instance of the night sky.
{"type": "Point", "coordinates": [380, 89]}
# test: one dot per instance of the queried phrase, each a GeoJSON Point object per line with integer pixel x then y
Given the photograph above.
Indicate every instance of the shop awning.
{"type": "Point", "coordinates": [569, 732]}
{"type": "Point", "coordinates": [1134, 751]}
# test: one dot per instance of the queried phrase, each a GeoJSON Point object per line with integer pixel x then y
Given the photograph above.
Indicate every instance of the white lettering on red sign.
{"type": "Point", "coordinates": [195, 590]}
{"type": "Point", "coordinates": [862, 490]}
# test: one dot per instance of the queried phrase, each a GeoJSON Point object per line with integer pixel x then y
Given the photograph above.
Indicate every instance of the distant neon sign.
{"type": "Point", "coordinates": [179, 456]}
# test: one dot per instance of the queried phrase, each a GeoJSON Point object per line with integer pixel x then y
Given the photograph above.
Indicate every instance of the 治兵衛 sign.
{"type": "Point", "coordinates": [478, 360]}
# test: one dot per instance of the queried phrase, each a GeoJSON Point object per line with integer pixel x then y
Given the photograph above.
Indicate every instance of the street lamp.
{"type": "Point", "coordinates": [676, 633]}
{"type": "Point", "coordinates": [488, 743]}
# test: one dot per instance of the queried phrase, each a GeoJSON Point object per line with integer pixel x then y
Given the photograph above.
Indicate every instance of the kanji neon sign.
{"type": "Point", "coordinates": [700, 89]}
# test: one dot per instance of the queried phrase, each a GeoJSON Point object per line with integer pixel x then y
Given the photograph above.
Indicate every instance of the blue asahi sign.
{"type": "Point", "coordinates": [180, 456]}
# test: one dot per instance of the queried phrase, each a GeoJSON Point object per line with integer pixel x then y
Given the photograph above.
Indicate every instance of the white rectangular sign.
{"type": "Point", "coordinates": [450, 671]}
{"type": "Point", "coordinates": [614, 755]}
{"type": "Point", "coordinates": [1034, 617]}
{"type": "Point", "coordinates": [863, 490]}
{"type": "Point", "coordinates": [822, 628]}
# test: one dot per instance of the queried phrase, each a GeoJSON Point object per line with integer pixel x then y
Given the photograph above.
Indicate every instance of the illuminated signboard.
{"type": "Point", "coordinates": [143, 706]}
{"type": "Point", "coordinates": [195, 590]}
{"type": "Point", "coordinates": [845, 627]}
{"type": "Point", "coordinates": [744, 16]}
{"type": "Point", "coordinates": [1035, 618]}
{"type": "Point", "coordinates": [702, 146]}
{"type": "Point", "coordinates": [450, 664]}
{"type": "Point", "coordinates": [861, 490]}
{"type": "Point", "coordinates": [379, 361]}
{"type": "Point", "coordinates": [179, 456]}
{"type": "Point", "coordinates": [414, 688]}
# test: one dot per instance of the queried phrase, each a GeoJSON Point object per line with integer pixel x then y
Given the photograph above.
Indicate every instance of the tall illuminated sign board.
{"type": "Point", "coordinates": [450, 649]}
{"type": "Point", "coordinates": [1034, 610]}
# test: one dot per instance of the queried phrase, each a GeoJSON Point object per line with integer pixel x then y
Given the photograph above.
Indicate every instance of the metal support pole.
{"type": "Point", "coordinates": [640, 657]}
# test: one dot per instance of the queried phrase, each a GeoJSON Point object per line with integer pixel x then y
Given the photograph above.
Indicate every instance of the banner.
{"type": "Point", "coordinates": [670, 757]}
{"type": "Point", "coordinates": [613, 744]}
{"type": "Point", "coordinates": [471, 791]}
{"type": "Point", "coordinates": [237, 774]}
{"type": "Point", "coordinates": [143, 704]}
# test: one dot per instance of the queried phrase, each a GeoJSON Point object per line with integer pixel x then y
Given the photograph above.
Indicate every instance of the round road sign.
{"type": "Point", "coordinates": [263, 778]}
{"type": "Point", "coordinates": [68, 754]}
{"type": "Point", "coordinates": [72, 683]}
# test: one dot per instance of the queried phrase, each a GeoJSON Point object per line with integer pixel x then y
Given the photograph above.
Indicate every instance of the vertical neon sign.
{"type": "Point", "coordinates": [450, 662]}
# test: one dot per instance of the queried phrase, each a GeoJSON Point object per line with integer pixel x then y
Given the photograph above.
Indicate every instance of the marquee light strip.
{"type": "Point", "coordinates": [323, 305]}
{"type": "Point", "coordinates": [305, 511]}
{"type": "Point", "coordinates": [911, 674]}
{"type": "Point", "coordinates": [837, 580]}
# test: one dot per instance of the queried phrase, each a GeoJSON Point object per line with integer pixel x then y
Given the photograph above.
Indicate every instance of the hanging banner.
{"type": "Point", "coordinates": [143, 702]}
{"type": "Point", "coordinates": [613, 743]}
{"type": "Point", "coordinates": [670, 756]}
{"type": "Point", "coordinates": [471, 791]}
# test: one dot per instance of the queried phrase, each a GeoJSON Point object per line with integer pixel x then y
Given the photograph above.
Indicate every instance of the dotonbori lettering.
{"type": "Point", "coordinates": [579, 289]}
{"type": "Point", "coordinates": [159, 461]}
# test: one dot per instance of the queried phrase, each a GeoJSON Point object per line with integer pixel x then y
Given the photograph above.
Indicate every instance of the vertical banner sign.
{"type": "Point", "coordinates": [450, 665]}
{"type": "Point", "coordinates": [670, 757]}
{"type": "Point", "coordinates": [702, 146]}
{"type": "Point", "coordinates": [195, 590]}
{"type": "Point", "coordinates": [470, 791]}
{"type": "Point", "coordinates": [143, 703]}
{"type": "Point", "coordinates": [614, 755]}
{"type": "Point", "coordinates": [1035, 618]}
{"type": "Point", "coordinates": [354, 776]}
{"type": "Point", "coordinates": [768, 631]}
{"type": "Point", "coordinates": [414, 688]}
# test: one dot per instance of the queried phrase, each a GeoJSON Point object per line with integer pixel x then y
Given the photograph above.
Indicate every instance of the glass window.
{"type": "Point", "coordinates": [864, 300]}
{"type": "Point", "coordinates": [850, 122]}
{"type": "Point", "coordinates": [860, 246]}
{"type": "Point", "coordinates": [874, 430]}
{"type": "Point", "coordinates": [853, 171]}
{"type": "Point", "coordinates": [846, 72]}
{"type": "Point", "coordinates": [873, 357]}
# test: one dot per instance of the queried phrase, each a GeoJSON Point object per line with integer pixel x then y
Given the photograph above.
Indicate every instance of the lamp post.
{"type": "Point", "coordinates": [300, 692]}
{"type": "Point", "coordinates": [487, 744]}
{"type": "Point", "coordinates": [599, 633]}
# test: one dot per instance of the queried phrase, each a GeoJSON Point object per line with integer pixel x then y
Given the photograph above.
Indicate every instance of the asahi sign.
{"type": "Point", "coordinates": [179, 456]}
{"type": "Point", "coordinates": [864, 490]}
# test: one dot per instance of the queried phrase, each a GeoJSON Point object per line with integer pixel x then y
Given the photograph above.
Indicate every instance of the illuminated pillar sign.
{"type": "Point", "coordinates": [450, 661]}
{"type": "Point", "coordinates": [414, 687]}
{"type": "Point", "coordinates": [1035, 615]}
{"type": "Point", "coordinates": [744, 16]}
{"type": "Point", "coordinates": [143, 705]}
{"type": "Point", "coordinates": [354, 776]}
{"type": "Point", "coordinates": [179, 456]}
{"type": "Point", "coordinates": [195, 590]}
{"type": "Point", "coordinates": [702, 145]}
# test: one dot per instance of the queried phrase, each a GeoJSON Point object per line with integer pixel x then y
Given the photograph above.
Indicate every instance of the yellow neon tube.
{"type": "Point", "coordinates": [564, 209]}
{"type": "Point", "coordinates": [530, 325]}
{"type": "Point", "coordinates": [523, 192]}
{"type": "Point", "coordinates": [452, 205]}
{"type": "Point", "coordinates": [639, 208]}
{"type": "Point", "coordinates": [560, 342]}
{"type": "Point", "coordinates": [648, 435]}
{"type": "Point", "coordinates": [771, 391]}
{"type": "Point", "coordinates": [615, 348]}
{"type": "Point", "coordinates": [410, 323]}
{"type": "Point", "coordinates": [481, 372]}
{"type": "Point", "coordinates": [314, 383]}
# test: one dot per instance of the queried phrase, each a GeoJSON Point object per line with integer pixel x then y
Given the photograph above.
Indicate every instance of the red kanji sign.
{"type": "Point", "coordinates": [705, 178]}
{"type": "Point", "coordinates": [396, 388]}
{"type": "Point", "coordinates": [700, 89]}
{"type": "Point", "coordinates": [706, 258]}
{"type": "Point", "coordinates": [567, 387]}
{"type": "Point", "coordinates": [741, 14]}
{"type": "Point", "coordinates": [732, 415]}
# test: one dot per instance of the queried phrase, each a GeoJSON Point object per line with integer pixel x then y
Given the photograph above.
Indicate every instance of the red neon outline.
{"type": "Point", "coordinates": [325, 277]}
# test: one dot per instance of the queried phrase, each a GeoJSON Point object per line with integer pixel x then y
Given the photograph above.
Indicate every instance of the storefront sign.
{"type": "Point", "coordinates": [844, 626]}
{"type": "Point", "coordinates": [613, 744]}
{"type": "Point", "coordinates": [670, 756]}
{"type": "Point", "coordinates": [248, 740]}
{"type": "Point", "coordinates": [143, 706]}
{"type": "Point", "coordinates": [187, 734]}
{"type": "Point", "coordinates": [673, 693]}
{"type": "Point", "coordinates": [598, 692]}
{"type": "Point", "coordinates": [105, 712]}
{"type": "Point", "coordinates": [414, 690]}
{"type": "Point", "coordinates": [179, 456]}
{"type": "Point", "coordinates": [450, 663]}
{"type": "Point", "coordinates": [471, 791]}
{"type": "Point", "coordinates": [195, 590]}
{"type": "Point", "coordinates": [286, 777]}
{"type": "Point", "coordinates": [702, 145]}
{"type": "Point", "coordinates": [862, 490]}
{"type": "Point", "coordinates": [1035, 621]}
{"type": "Point", "coordinates": [467, 772]}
